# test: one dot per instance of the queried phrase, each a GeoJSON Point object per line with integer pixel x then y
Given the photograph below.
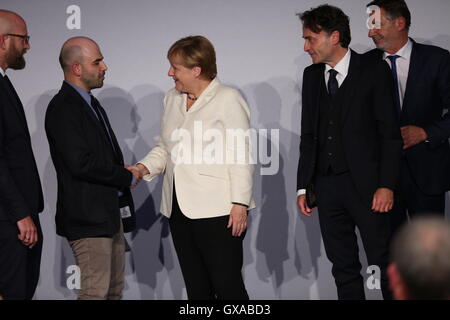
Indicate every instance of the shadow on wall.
{"type": "Point", "coordinates": [443, 41]}
{"type": "Point", "coordinates": [151, 247]}
{"type": "Point", "coordinates": [152, 255]}
{"type": "Point", "coordinates": [273, 228]}
{"type": "Point", "coordinates": [56, 255]}
{"type": "Point", "coordinates": [277, 240]}
{"type": "Point", "coordinates": [307, 234]}
{"type": "Point", "coordinates": [252, 216]}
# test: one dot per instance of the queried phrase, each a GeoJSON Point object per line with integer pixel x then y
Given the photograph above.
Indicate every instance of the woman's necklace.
{"type": "Point", "coordinates": [193, 99]}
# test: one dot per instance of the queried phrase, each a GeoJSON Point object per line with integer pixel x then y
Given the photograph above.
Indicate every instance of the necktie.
{"type": "Point", "coordinates": [393, 60]}
{"type": "Point", "coordinates": [333, 85]}
{"type": "Point", "coordinates": [96, 106]}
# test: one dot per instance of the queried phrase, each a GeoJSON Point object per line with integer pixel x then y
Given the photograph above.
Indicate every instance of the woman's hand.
{"type": "Point", "coordinates": [138, 171]}
{"type": "Point", "coordinates": [238, 220]}
{"type": "Point", "coordinates": [142, 169]}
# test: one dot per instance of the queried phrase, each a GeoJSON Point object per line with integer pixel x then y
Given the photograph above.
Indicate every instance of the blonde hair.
{"type": "Point", "coordinates": [196, 51]}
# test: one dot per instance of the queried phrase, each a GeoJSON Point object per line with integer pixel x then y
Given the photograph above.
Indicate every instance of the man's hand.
{"type": "Point", "coordinates": [138, 171]}
{"type": "Point", "coordinates": [238, 220]}
{"type": "Point", "coordinates": [28, 232]}
{"type": "Point", "coordinates": [412, 135]}
{"type": "Point", "coordinates": [136, 175]}
{"type": "Point", "coordinates": [301, 202]}
{"type": "Point", "coordinates": [383, 200]}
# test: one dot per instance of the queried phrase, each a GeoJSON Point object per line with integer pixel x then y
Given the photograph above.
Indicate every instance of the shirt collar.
{"type": "Point", "coordinates": [404, 52]}
{"type": "Point", "coordinates": [2, 72]}
{"type": "Point", "coordinates": [342, 66]}
{"type": "Point", "coordinates": [83, 93]}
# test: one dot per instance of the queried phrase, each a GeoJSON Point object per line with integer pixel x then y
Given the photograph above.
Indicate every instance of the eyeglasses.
{"type": "Point", "coordinates": [25, 38]}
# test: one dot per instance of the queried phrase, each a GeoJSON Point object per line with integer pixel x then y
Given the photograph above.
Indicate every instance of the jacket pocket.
{"type": "Point", "coordinates": [214, 171]}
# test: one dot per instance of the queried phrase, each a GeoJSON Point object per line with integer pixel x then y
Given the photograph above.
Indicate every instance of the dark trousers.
{"type": "Point", "coordinates": [210, 257]}
{"type": "Point", "coordinates": [341, 209]}
{"type": "Point", "coordinates": [411, 202]}
{"type": "Point", "coordinates": [19, 265]}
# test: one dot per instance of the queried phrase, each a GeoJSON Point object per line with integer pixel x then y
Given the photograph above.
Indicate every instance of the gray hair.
{"type": "Point", "coordinates": [421, 251]}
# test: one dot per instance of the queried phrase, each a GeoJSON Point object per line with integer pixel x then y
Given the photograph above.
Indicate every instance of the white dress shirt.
{"type": "Point", "coordinates": [342, 70]}
{"type": "Point", "coordinates": [2, 72]}
{"type": "Point", "coordinates": [402, 67]}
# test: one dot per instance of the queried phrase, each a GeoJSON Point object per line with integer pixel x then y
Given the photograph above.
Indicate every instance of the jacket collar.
{"type": "Point", "coordinates": [350, 81]}
{"type": "Point", "coordinates": [206, 96]}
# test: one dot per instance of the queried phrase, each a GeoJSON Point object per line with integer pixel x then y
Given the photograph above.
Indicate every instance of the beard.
{"type": "Point", "coordinates": [92, 81]}
{"type": "Point", "coordinates": [15, 59]}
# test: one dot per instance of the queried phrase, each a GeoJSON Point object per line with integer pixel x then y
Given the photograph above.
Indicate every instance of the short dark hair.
{"type": "Point", "coordinates": [394, 8]}
{"type": "Point", "coordinates": [329, 19]}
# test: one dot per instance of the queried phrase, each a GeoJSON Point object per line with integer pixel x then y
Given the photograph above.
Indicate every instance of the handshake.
{"type": "Point", "coordinates": [138, 171]}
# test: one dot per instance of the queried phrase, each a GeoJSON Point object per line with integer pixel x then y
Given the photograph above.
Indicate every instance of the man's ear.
{"type": "Point", "coordinates": [400, 23]}
{"type": "Point", "coordinates": [76, 68]}
{"type": "Point", "coordinates": [3, 41]}
{"type": "Point", "coordinates": [335, 37]}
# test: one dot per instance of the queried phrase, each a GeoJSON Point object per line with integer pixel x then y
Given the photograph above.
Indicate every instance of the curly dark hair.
{"type": "Point", "coordinates": [329, 19]}
{"type": "Point", "coordinates": [394, 9]}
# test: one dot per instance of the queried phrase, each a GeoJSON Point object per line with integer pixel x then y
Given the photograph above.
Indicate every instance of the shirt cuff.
{"type": "Point", "coordinates": [301, 192]}
{"type": "Point", "coordinates": [241, 204]}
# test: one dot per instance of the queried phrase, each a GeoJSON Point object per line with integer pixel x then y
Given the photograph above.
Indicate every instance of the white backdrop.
{"type": "Point", "coordinates": [260, 52]}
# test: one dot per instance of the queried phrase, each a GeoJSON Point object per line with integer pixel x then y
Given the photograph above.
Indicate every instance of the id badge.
{"type": "Point", "coordinates": [125, 212]}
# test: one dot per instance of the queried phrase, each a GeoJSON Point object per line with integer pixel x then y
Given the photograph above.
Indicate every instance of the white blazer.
{"type": "Point", "coordinates": [206, 151]}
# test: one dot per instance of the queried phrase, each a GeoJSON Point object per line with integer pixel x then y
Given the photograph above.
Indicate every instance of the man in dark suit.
{"type": "Point", "coordinates": [21, 197]}
{"type": "Point", "coordinates": [350, 149]}
{"type": "Point", "coordinates": [422, 81]}
{"type": "Point", "coordinates": [93, 184]}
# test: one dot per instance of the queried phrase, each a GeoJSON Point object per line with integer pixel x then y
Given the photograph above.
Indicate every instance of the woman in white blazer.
{"type": "Point", "coordinates": [204, 154]}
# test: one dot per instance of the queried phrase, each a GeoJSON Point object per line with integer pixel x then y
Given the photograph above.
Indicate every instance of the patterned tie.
{"type": "Point", "coordinates": [96, 106]}
{"type": "Point", "coordinates": [333, 85]}
{"type": "Point", "coordinates": [393, 60]}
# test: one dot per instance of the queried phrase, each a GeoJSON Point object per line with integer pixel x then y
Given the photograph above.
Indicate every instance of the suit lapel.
{"type": "Point", "coordinates": [15, 101]}
{"type": "Point", "coordinates": [415, 66]}
{"type": "Point", "coordinates": [86, 107]}
{"type": "Point", "coordinates": [118, 152]}
{"type": "Point", "coordinates": [180, 101]}
{"type": "Point", "coordinates": [320, 78]}
{"type": "Point", "coordinates": [206, 96]}
{"type": "Point", "coordinates": [92, 117]}
{"type": "Point", "coordinates": [350, 83]}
